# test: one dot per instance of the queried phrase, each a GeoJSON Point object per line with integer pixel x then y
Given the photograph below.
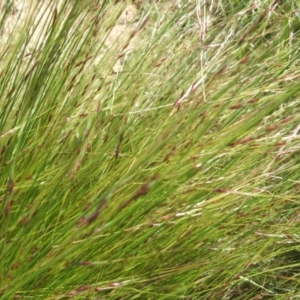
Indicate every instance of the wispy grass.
{"type": "Point", "coordinates": [160, 165]}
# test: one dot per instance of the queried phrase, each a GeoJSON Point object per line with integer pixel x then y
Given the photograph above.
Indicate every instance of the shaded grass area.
{"type": "Point", "coordinates": [174, 177]}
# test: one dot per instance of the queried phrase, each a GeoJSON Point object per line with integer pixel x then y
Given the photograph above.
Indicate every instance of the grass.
{"type": "Point", "coordinates": [161, 165]}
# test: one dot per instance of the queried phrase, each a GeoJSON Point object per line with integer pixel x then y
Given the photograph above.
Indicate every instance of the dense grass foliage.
{"type": "Point", "coordinates": [162, 163]}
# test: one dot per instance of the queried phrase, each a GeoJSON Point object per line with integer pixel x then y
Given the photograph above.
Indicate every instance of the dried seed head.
{"type": "Point", "coordinates": [237, 106]}
{"type": "Point", "coordinates": [82, 221]}
{"type": "Point", "coordinates": [11, 185]}
{"type": "Point", "coordinates": [220, 190]}
{"type": "Point", "coordinates": [218, 105]}
{"type": "Point", "coordinates": [288, 119]}
{"type": "Point", "coordinates": [245, 60]}
{"type": "Point", "coordinates": [254, 100]}
{"type": "Point", "coordinates": [84, 263]}
{"type": "Point", "coordinates": [93, 217]}
{"type": "Point", "coordinates": [246, 140]}
{"type": "Point", "coordinates": [78, 166]}
{"type": "Point", "coordinates": [271, 127]}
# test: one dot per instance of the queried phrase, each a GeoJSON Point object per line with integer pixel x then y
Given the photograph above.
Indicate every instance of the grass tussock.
{"type": "Point", "coordinates": [154, 156]}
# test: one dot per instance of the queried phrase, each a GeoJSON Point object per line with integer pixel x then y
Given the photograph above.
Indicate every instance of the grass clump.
{"type": "Point", "coordinates": [150, 158]}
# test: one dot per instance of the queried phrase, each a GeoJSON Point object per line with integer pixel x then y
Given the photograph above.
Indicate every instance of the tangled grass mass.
{"type": "Point", "coordinates": [150, 149]}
